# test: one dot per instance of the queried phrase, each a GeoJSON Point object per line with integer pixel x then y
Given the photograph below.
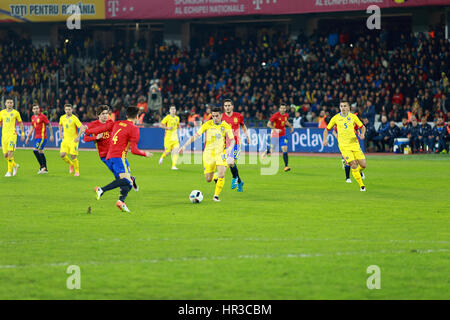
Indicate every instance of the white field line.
{"type": "Point", "coordinates": [247, 256]}
{"type": "Point", "coordinates": [12, 242]}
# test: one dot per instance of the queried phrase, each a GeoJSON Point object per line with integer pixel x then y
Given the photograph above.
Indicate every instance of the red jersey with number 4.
{"type": "Point", "coordinates": [39, 123]}
{"type": "Point", "coordinates": [124, 135]}
{"type": "Point", "coordinates": [279, 122]}
{"type": "Point", "coordinates": [236, 120]}
{"type": "Point", "coordinates": [102, 143]}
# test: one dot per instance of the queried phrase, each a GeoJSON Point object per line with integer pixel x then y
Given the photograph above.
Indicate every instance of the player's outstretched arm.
{"type": "Point", "coordinates": [52, 138]}
{"type": "Point", "coordinates": [61, 133]}
{"type": "Point", "coordinates": [29, 135]}
{"type": "Point", "coordinates": [191, 139]}
{"type": "Point", "coordinates": [135, 150]}
{"type": "Point", "coordinates": [290, 126]}
{"type": "Point", "coordinates": [83, 128]}
{"type": "Point", "coordinates": [100, 129]}
{"type": "Point", "coordinates": [22, 130]}
{"type": "Point", "coordinates": [325, 136]}
{"type": "Point", "coordinates": [247, 135]}
{"type": "Point", "coordinates": [363, 132]}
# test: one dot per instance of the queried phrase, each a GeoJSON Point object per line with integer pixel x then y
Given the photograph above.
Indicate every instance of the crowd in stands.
{"type": "Point", "coordinates": [390, 77]}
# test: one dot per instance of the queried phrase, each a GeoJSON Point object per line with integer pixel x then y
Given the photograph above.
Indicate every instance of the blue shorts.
{"type": "Point", "coordinates": [278, 141]}
{"type": "Point", "coordinates": [39, 144]}
{"type": "Point", "coordinates": [108, 164]}
{"type": "Point", "coordinates": [118, 166]}
{"type": "Point", "coordinates": [236, 151]}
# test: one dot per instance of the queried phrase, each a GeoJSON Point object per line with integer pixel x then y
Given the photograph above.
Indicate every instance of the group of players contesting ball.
{"type": "Point", "coordinates": [221, 151]}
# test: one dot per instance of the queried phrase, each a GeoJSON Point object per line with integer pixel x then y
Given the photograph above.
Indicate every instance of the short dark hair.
{"type": "Point", "coordinates": [9, 98]}
{"type": "Point", "coordinates": [68, 105]}
{"type": "Point", "coordinates": [228, 100]}
{"type": "Point", "coordinates": [101, 108]}
{"type": "Point", "coordinates": [132, 112]}
{"type": "Point", "coordinates": [282, 103]}
{"type": "Point", "coordinates": [344, 101]}
{"type": "Point", "coordinates": [35, 104]}
{"type": "Point", "coordinates": [216, 109]}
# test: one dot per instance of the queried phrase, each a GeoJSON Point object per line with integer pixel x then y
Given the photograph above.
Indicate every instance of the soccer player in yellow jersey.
{"type": "Point", "coordinates": [215, 154]}
{"type": "Point", "coordinates": [68, 125]}
{"type": "Point", "coordinates": [8, 118]}
{"type": "Point", "coordinates": [171, 123]}
{"type": "Point", "coordinates": [347, 140]}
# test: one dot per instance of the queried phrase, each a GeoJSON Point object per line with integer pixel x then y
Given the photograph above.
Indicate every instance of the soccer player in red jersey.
{"type": "Point", "coordinates": [278, 123]}
{"type": "Point", "coordinates": [124, 135]}
{"type": "Point", "coordinates": [39, 122]}
{"type": "Point", "coordinates": [236, 121]}
{"type": "Point", "coordinates": [102, 140]}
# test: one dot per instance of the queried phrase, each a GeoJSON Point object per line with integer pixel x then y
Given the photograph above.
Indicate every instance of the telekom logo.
{"type": "Point", "coordinates": [259, 3]}
{"type": "Point", "coordinates": [114, 8]}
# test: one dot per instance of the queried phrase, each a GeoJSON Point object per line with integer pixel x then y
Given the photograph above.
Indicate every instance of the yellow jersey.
{"type": "Point", "coordinates": [346, 129]}
{"type": "Point", "coordinates": [174, 122]}
{"type": "Point", "coordinates": [70, 126]}
{"type": "Point", "coordinates": [216, 135]}
{"type": "Point", "coordinates": [8, 119]}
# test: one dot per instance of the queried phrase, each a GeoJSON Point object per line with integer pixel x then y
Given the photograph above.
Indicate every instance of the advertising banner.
{"type": "Point", "coordinates": [49, 10]}
{"type": "Point", "coordinates": [301, 140]}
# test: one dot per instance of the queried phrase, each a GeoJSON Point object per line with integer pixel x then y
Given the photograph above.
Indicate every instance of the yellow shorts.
{"type": "Point", "coordinates": [170, 144]}
{"type": "Point", "coordinates": [69, 147]}
{"type": "Point", "coordinates": [9, 143]}
{"type": "Point", "coordinates": [210, 162]}
{"type": "Point", "coordinates": [352, 153]}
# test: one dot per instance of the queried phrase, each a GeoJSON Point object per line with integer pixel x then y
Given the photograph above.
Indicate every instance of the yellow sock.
{"type": "Point", "coordinates": [10, 164]}
{"type": "Point", "coordinates": [219, 186]}
{"type": "Point", "coordinates": [215, 176]}
{"type": "Point", "coordinates": [360, 168]}
{"type": "Point", "coordinates": [66, 159]}
{"type": "Point", "coordinates": [76, 165]}
{"type": "Point", "coordinates": [174, 159]}
{"type": "Point", "coordinates": [14, 164]}
{"type": "Point", "coordinates": [163, 155]}
{"type": "Point", "coordinates": [357, 175]}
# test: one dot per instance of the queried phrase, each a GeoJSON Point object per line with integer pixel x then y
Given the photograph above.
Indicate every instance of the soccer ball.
{"type": "Point", "coordinates": [196, 196]}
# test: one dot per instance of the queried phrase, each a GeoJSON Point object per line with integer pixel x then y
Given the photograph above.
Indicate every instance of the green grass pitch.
{"type": "Point", "coordinates": [305, 234]}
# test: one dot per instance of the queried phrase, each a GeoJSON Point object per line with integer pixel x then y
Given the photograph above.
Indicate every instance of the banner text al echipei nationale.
{"type": "Point", "coordinates": [48, 10]}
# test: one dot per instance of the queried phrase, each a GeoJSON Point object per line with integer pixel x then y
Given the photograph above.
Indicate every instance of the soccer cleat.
{"type": "Point", "coordinates": [216, 198]}
{"type": "Point", "coordinates": [348, 180]}
{"type": "Point", "coordinates": [44, 171]}
{"type": "Point", "coordinates": [174, 168]}
{"type": "Point", "coordinates": [240, 186]}
{"type": "Point", "coordinates": [15, 169]}
{"type": "Point", "coordinates": [363, 176]}
{"type": "Point", "coordinates": [77, 174]}
{"type": "Point", "coordinates": [8, 174]}
{"type": "Point", "coordinates": [99, 192]}
{"type": "Point", "coordinates": [234, 183]}
{"type": "Point", "coordinates": [363, 188]}
{"type": "Point", "coordinates": [122, 206]}
{"type": "Point", "coordinates": [161, 160]}
{"type": "Point", "coordinates": [135, 186]}
{"type": "Point", "coordinates": [286, 169]}
{"type": "Point", "coordinates": [71, 169]}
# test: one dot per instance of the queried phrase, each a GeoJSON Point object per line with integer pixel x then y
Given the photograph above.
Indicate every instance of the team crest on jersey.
{"type": "Point", "coordinates": [348, 118]}
{"type": "Point", "coordinates": [222, 129]}
{"type": "Point", "coordinates": [235, 120]}
{"type": "Point", "coordinates": [37, 120]}
{"type": "Point", "coordinates": [70, 120]}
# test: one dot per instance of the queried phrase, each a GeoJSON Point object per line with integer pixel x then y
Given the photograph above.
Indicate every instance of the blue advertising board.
{"type": "Point", "coordinates": [301, 140]}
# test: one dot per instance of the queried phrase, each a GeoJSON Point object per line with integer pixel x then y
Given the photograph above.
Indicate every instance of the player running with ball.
{"type": "Point", "coordinates": [347, 140]}
{"type": "Point", "coordinates": [215, 154]}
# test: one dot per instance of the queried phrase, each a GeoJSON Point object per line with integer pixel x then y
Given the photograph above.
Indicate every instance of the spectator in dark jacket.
{"type": "Point", "coordinates": [425, 136]}
{"type": "Point", "coordinates": [369, 112]}
{"type": "Point", "coordinates": [382, 136]}
{"type": "Point", "coordinates": [370, 133]}
{"type": "Point", "coordinates": [439, 131]}
{"type": "Point", "coordinates": [413, 135]}
{"type": "Point", "coordinates": [404, 130]}
{"type": "Point", "coordinates": [392, 134]}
